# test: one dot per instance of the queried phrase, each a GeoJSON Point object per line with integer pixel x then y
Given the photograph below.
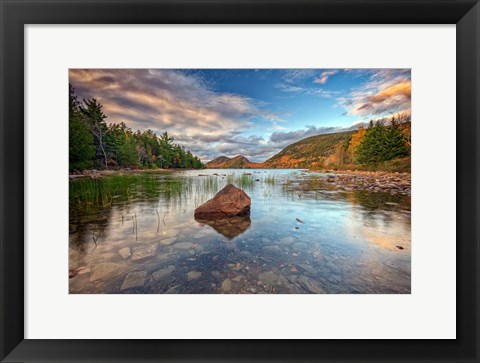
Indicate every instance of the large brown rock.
{"type": "Point", "coordinates": [229, 202]}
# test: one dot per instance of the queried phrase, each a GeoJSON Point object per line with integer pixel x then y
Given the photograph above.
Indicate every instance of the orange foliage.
{"type": "Point", "coordinates": [356, 139]}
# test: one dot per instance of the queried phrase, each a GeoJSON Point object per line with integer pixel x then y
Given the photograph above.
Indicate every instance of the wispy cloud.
{"type": "Point", "coordinates": [298, 75]}
{"type": "Point", "coordinates": [386, 92]}
{"type": "Point", "coordinates": [311, 91]}
{"type": "Point", "coordinates": [324, 76]}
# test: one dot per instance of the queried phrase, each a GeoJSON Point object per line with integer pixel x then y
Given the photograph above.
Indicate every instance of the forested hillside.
{"type": "Point", "coordinates": [94, 143]}
{"type": "Point", "coordinates": [379, 146]}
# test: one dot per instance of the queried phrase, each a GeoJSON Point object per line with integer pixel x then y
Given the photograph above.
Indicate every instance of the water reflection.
{"type": "Point", "coordinates": [229, 227]}
{"type": "Point", "coordinates": [138, 235]}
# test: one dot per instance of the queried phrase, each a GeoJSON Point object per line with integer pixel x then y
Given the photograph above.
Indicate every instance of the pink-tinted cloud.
{"type": "Point", "coordinates": [324, 76]}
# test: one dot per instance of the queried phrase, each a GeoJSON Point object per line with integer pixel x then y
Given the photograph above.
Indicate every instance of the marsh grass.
{"type": "Point", "coordinates": [173, 189]}
{"type": "Point", "coordinates": [241, 181]}
{"type": "Point", "coordinates": [266, 193]}
{"type": "Point", "coordinates": [207, 185]}
{"type": "Point", "coordinates": [103, 192]}
{"type": "Point", "coordinates": [270, 179]}
{"type": "Point", "coordinates": [205, 188]}
{"type": "Point", "coordinates": [91, 194]}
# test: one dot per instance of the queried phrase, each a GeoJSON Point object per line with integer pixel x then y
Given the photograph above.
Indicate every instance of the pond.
{"type": "Point", "coordinates": [137, 234]}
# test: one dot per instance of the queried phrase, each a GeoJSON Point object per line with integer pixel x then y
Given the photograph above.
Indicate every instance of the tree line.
{"type": "Point", "coordinates": [93, 143]}
{"type": "Point", "coordinates": [379, 142]}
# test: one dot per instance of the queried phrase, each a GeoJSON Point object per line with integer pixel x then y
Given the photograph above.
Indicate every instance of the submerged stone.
{"type": "Point", "coordinates": [145, 252]}
{"type": "Point", "coordinates": [227, 285]}
{"type": "Point", "coordinates": [269, 278]}
{"type": "Point", "coordinates": [193, 275]}
{"type": "Point", "coordinates": [125, 252]}
{"type": "Point", "coordinates": [183, 245]}
{"type": "Point", "coordinates": [134, 279]}
{"type": "Point", "coordinates": [105, 270]}
{"type": "Point", "coordinates": [168, 241]}
{"type": "Point", "coordinates": [310, 284]}
{"type": "Point", "coordinates": [164, 272]}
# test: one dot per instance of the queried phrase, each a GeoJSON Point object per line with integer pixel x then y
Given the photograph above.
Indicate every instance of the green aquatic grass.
{"type": "Point", "coordinates": [242, 181]}
{"type": "Point", "coordinates": [205, 188]}
{"type": "Point", "coordinates": [88, 193]}
{"type": "Point", "coordinates": [270, 179]}
{"type": "Point", "coordinates": [172, 189]}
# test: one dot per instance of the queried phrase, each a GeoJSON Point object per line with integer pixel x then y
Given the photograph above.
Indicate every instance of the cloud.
{"type": "Point", "coordinates": [324, 76]}
{"type": "Point", "coordinates": [386, 92]}
{"type": "Point", "coordinates": [402, 89]}
{"type": "Point", "coordinates": [174, 101]}
{"type": "Point", "coordinates": [298, 75]}
{"type": "Point", "coordinates": [310, 91]}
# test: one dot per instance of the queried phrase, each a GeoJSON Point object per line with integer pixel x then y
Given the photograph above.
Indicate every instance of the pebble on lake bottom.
{"type": "Point", "coordinates": [193, 275]}
{"type": "Point", "coordinates": [134, 279]}
{"type": "Point", "coordinates": [227, 285]}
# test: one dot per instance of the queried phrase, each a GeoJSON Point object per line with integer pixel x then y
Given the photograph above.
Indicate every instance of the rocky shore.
{"type": "Point", "coordinates": [374, 181]}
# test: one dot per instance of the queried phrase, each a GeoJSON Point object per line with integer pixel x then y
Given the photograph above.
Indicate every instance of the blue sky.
{"type": "Point", "coordinates": [253, 112]}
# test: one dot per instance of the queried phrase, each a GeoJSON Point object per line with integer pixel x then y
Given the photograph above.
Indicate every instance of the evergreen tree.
{"type": "Point", "coordinates": [373, 147]}
{"type": "Point", "coordinates": [94, 118]}
{"type": "Point", "coordinates": [396, 143]}
{"type": "Point", "coordinates": [382, 143]}
{"type": "Point", "coordinates": [81, 147]}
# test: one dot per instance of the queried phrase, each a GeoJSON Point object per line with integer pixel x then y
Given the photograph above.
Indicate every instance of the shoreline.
{"type": "Point", "coordinates": [94, 173]}
{"type": "Point", "coordinates": [373, 181]}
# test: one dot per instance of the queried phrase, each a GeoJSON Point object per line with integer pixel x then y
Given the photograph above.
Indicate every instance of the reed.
{"type": "Point", "coordinates": [87, 193]}
{"type": "Point", "coordinates": [270, 179]}
{"type": "Point", "coordinates": [242, 181]}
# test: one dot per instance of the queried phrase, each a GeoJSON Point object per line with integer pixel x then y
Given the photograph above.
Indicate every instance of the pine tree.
{"type": "Point", "coordinates": [94, 118]}
{"type": "Point", "coordinates": [396, 143]}
{"type": "Point", "coordinates": [81, 147]}
{"type": "Point", "coordinates": [382, 143]}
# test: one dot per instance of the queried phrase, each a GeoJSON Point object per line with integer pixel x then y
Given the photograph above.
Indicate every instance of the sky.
{"type": "Point", "coordinates": [250, 112]}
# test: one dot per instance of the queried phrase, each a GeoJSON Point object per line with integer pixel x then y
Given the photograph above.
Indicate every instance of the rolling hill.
{"type": "Point", "coordinates": [309, 151]}
{"type": "Point", "coordinates": [223, 162]}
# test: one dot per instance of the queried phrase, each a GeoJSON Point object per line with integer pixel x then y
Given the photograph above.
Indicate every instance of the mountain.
{"type": "Point", "coordinates": [223, 162]}
{"type": "Point", "coordinates": [309, 151]}
{"type": "Point", "coordinates": [218, 162]}
{"type": "Point", "coordinates": [332, 151]}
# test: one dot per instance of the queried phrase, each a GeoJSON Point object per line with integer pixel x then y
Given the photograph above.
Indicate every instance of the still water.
{"type": "Point", "coordinates": [137, 234]}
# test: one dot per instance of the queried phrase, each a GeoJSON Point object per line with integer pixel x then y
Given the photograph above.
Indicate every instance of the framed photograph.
{"type": "Point", "coordinates": [240, 181]}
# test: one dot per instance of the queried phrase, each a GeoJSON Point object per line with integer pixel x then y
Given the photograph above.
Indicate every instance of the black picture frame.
{"type": "Point", "coordinates": [15, 14]}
